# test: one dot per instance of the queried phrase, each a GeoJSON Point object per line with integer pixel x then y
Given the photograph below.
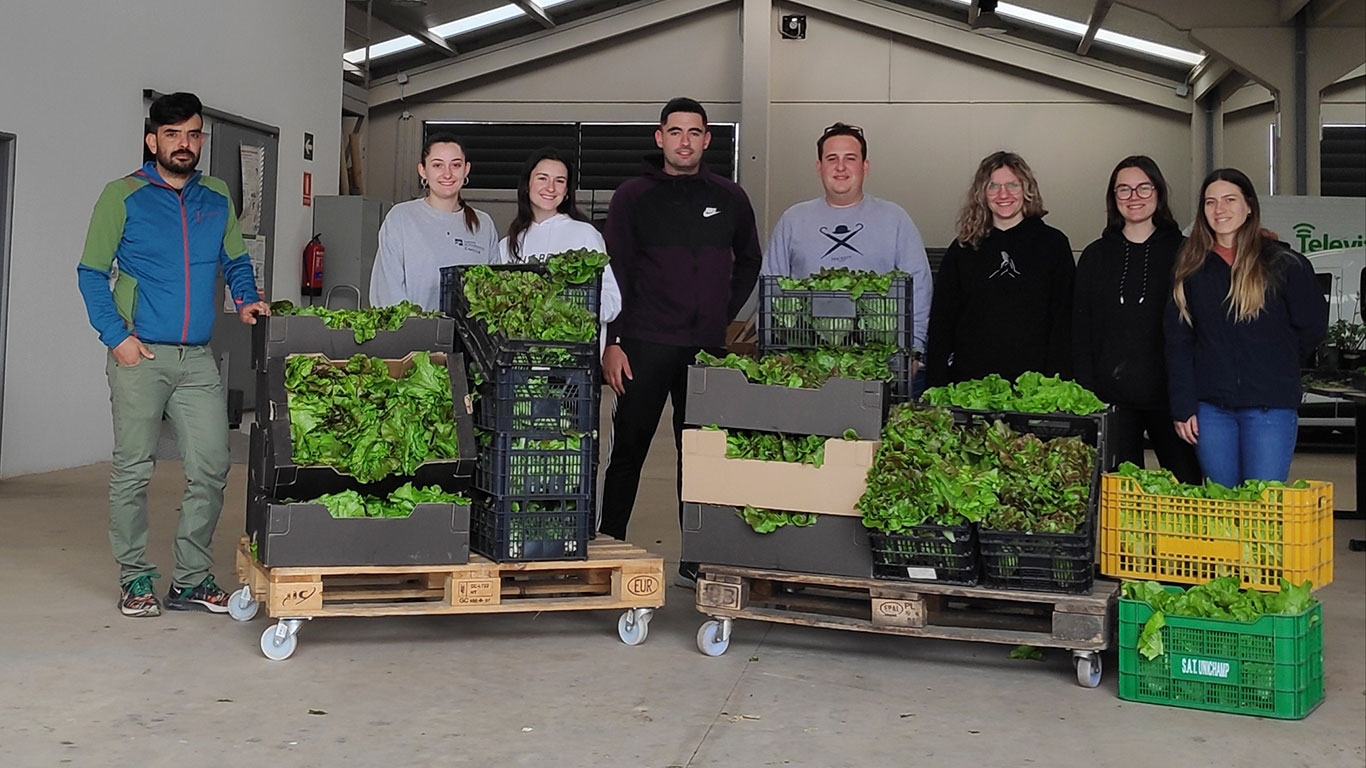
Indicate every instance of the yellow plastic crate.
{"type": "Point", "coordinates": [1287, 534]}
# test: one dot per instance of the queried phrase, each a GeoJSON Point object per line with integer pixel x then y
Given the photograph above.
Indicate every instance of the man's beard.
{"type": "Point", "coordinates": [179, 161]}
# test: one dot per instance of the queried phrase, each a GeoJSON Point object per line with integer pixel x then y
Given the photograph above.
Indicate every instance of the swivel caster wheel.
{"type": "Point", "coordinates": [1088, 668]}
{"type": "Point", "coordinates": [241, 606]}
{"type": "Point", "coordinates": [278, 642]}
{"type": "Point", "coordinates": [634, 625]}
{"type": "Point", "coordinates": [713, 637]}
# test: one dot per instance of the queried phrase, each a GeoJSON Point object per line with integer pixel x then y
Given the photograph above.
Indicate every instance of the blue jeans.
{"type": "Point", "coordinates": [1245, 443]}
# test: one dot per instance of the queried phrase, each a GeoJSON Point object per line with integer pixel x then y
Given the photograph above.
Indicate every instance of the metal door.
{"type": "Point", "coordinates": [231, 339]}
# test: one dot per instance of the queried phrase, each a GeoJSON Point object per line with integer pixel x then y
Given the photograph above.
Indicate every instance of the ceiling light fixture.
{"type": "Point", "coordinates": [987, 22]}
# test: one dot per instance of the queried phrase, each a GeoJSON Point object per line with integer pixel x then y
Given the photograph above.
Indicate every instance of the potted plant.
{"type": "Point", "coordinates": [1349, 338]}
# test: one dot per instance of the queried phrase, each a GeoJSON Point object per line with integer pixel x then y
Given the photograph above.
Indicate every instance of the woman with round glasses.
{"type": "Point", "coordinates": [1123, 281]}
{"type": "Point", "coordinates": [1245, 312]}
{"type": "Point", "coordinates": [1003, 296]}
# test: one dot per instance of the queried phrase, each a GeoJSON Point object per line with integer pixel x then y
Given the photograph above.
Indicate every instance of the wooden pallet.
{"type": "Point", "coordinates": [615, 575]}
{"type": "Point", "coordinates": [1074, 622]}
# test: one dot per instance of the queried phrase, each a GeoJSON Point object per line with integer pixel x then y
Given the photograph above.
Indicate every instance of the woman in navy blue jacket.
{"type": "Point", "coordinates": [1245, 313]}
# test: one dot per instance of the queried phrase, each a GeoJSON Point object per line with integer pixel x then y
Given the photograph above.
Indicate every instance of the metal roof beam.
{"type": "Point", "coordinates": [540, 45]}
{"type": "Point", "coordinates": [1291, 8]}
{"type": "Point", "coordinates": [1010, 51]}
{"type": "Point", "coordinates": [1098, 13]}
{"type": "Point", "coordinates": [408, 26]}
{"type": "Point", "coordinates": [535, 11]}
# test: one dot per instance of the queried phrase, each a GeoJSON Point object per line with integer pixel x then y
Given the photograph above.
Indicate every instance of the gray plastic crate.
{"type": "Point", "coordinates": [306, 535]}
{"type": "Point", "coordinates": [272, 448]}
{"type": "Point", "coordinates": [724, 397]}
{"type": "Point", "coordinates": [837, 545]}
{"type": "Point", "coordinates": [272, 338]}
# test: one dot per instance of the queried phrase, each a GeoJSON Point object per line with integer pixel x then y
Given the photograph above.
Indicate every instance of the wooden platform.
{"type": "Point", "coordinates": [1074, 622]}
{"type": "Point", "coordinates": [615, 575]}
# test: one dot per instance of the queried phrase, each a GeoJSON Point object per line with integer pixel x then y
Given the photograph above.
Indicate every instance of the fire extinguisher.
{"type": "Point", "coordinates": [313, 266]}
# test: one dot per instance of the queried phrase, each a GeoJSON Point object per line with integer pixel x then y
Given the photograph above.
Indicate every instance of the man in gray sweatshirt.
{"type": "Point", "coordinates": [846, 228]}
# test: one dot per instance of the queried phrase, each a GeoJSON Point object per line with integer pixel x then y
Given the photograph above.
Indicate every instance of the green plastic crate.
{"type": "Point", "coordinates": [1272, 667]}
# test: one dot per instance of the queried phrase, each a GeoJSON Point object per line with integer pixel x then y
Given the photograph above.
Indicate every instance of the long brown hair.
{"type": "Point", "coordinates": [441, 137]}
{"type": "Point", "coordinates": [1253, 268]}
{"type": "Point", "coordinates": [974, 218]}
{"type": "Point", "coordinates": [525, 215]}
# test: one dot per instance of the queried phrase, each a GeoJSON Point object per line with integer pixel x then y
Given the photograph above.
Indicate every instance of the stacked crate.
{"type": "Point", "coordinates": [716, 488]}
{"type": "Point", "coordinates": [286, 531]}
{"type": "Point", "coordinates": [536, 417]}
{"type": "Point", "coordinates": [1271, 666]}
{"type": "Point", "coordinates": [801, 319]}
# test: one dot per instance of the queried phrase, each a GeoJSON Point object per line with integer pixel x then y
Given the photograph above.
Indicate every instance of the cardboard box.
{"type": "Point", "coordinates": [742, 337]}
{"type": "Point", "coordinates": [272, 462]}
{"type": "Point", "coordinates": [306, 535]}
{"type": "Point", "coordinates": [832, 489]}
{"type": "Point", "coordinates": [834, 546]}
{"type": "Point", "coordinates": [725, 398]}
{"type": "Point", "coordinates": [274, 338]}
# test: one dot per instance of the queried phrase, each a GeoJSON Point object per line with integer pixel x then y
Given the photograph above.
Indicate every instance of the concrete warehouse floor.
{"type": "Point", "coordinates": [81, 685]}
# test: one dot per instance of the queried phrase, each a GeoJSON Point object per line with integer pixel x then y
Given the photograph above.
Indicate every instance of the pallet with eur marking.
{"type": "Point", "coordinates": [1080, 623]}
{"type": "Point", "coordinates": [616, 575]}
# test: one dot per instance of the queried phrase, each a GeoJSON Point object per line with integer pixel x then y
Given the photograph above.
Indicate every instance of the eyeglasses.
{"type": "Point", "coordinates": [1144, 191]}
{"type": "Point", "coordinates": [1011, 186]}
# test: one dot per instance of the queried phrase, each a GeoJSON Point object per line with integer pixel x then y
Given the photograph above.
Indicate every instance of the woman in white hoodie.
{"type": "Point", "coordinates": [548, 222]}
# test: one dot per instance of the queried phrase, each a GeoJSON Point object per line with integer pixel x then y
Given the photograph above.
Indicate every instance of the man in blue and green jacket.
{"type": "Point", "coordinates": [168, 230]}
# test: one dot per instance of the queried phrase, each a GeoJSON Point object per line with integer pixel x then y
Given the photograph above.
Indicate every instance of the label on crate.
{"type": "Point", "coordinates": [1204, 670]}
{"type": "Point", "coordinates": [922, 573]}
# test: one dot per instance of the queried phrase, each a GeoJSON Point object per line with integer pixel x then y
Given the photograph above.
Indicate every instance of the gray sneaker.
{"type": "Point", "coordinates": [137, 599]}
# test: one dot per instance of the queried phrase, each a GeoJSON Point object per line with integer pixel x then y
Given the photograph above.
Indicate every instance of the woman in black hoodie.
{"type": "Point", "coordinates": [1003, 296]}
{"type": "Point", "coordinates": [1123, 281]}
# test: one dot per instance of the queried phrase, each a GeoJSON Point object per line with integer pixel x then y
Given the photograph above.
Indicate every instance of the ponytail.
{"type": "Point", "coordinates": [471, 218]}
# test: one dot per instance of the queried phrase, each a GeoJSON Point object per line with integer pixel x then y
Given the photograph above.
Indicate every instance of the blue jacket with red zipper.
{"type": "Point", "coordinates": [168, 245]}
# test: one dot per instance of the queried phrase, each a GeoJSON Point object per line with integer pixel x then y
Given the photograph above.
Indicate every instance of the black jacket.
{"type": "Point", "coordinates": [1122, 292]}
{"type": "Point", "coordinates": [1253, 364]}
{"type": "Point", "coordinates": [686, 254]}
{"type": "Point", "coordinates": [1004, 307]}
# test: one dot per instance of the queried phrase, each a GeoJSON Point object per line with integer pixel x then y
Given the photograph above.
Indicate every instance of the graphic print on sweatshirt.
{"type": "Point", "coordinates": [1007, 268]}
{"type": "Point", "coordinates": [841, 249]}
{"type": "Point", "coordinates": [470, 246]}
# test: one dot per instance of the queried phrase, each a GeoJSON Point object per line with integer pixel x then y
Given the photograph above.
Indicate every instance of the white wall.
{"type": "Point", "coordinates": [931, 114]}
{"type": "Point", "coordinates": [72, 93]}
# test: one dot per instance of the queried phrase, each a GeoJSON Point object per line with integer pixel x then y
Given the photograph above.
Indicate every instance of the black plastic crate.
{"type": "Point", "coordinates": [1093, 428]}
{"type": "Point", "coordinates": [275, 337]}
{"type": "Point", "coordinates": [1039, 562]}
{"type": "Point", "coordinates": [1043, 562]}
{"type": "Point", "coordinates": [489, 351]}
{"type": "Point", "coordinates": [806, 319]}
{"type": "Point", "coordinates": [505, 469]}
{"type": "Point", "coordinates": [538, 401]}
{"type": "Point", "coordinates": [925, 553]}
{"type": "Point", "coordinates": [516, 529]}
{"type": "Point", "coordinates": [901, 383]}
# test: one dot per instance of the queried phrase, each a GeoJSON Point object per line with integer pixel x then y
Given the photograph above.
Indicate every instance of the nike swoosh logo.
{"type": "Point", "coordinates": [710, 212]}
